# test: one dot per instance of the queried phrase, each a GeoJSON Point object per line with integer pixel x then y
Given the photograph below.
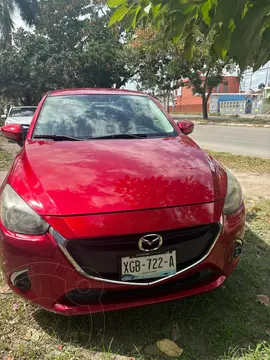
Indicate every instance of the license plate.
{"type": "Point", "coordinates": [148, 267]}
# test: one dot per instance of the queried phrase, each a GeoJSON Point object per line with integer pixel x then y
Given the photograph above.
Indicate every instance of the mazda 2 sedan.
{"type": "Point", "coordinates": [110, 205]}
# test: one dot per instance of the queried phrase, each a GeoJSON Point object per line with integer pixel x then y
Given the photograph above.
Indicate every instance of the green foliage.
{"type": "Point", "coordinates": [156, 63]}
{"type": "Point", "coordinates": [28, 10]}
{"type": "Point", "coordinates": [241, 28]}
{"type": "Point", "coordinates": [161, 67]}
{"type": "Point", "coordinates": [71, 47]}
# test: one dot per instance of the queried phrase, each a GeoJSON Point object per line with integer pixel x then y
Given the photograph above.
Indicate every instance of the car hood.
{"type": "Point", "coordinates": [104, 176]}
{"type": "Point", "coordinates": [23, 120]}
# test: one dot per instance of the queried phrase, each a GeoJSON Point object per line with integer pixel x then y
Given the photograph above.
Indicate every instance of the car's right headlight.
{"type": "Point", "coordinates": [234, 196]}
{"type": "Point", "coordinates": [17, 216]}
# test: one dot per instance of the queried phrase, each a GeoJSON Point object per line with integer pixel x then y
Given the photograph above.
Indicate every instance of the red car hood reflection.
{"type": "Point", "coordinates": [103, 176]}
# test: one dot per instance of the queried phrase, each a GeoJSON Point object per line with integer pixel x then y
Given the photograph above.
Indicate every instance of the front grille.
{"type": "Point", "coordinates": [101, 257]}
{"type": "Point", "coordinates": [108, 296]}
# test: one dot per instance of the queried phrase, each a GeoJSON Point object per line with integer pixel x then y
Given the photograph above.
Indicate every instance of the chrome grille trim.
{"type": "Point", "coordinates": [62, 242]}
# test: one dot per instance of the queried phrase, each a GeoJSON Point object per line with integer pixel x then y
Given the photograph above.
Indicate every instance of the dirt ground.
{"type": "Point", "coordinates": [255, 186]}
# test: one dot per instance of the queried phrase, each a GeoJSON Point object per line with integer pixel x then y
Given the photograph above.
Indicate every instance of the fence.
{"type": "Point", "coordinates": [192, 108]}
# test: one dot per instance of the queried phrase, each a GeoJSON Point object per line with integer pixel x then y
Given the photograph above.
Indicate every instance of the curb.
{"type": "Point", "coordinates": [232, 124]}
{"type": "Point", "coordinates": [198, 122]}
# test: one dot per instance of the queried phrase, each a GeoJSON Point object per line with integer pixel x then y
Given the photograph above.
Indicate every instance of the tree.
{"type": "Point", "coordinates": [28, 10]}
{"type": "Point", "coordinates": [79, 29]}
{"type": "Point", "coordinates": [156, 64]}
{"type": "Point", "coordinates": [241, 28]}
{"type": "Point", "coordinates": [70, 47]}
{"type": "Point", "coordinates": [23, 68]}
{"type": "Point", "coordinates": [161, 66]}
{"type": "Point", "coordinates": [204, 85]}
{"type": "Point", "coordinates": [205, 74]}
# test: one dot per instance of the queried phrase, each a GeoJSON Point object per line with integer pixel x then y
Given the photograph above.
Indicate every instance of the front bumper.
{"type": "Point", "coordinates": [55, 283]}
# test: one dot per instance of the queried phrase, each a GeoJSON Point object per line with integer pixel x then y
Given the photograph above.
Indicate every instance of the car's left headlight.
{"type": "Point", "coordinates": [17, 216]}
{"type": "Point", "coordinates": [234, 196]}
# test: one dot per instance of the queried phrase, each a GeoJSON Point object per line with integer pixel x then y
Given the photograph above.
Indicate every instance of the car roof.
{"type": "Point", "coordinates": [95, 91]}
{"type": "Point", "coordinates": [22, 107]}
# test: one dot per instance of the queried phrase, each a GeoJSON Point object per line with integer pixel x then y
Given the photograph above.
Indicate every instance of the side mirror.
{"type": "Point", "coordinates": [13, 132]}
{"type": "Point", "coordinates": [3, 116]}
{"type": "Point", "coordinates": [186, 126]}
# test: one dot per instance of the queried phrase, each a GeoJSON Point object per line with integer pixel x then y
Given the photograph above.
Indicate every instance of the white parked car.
{"type": "Point", "coordinates": [20, 115]}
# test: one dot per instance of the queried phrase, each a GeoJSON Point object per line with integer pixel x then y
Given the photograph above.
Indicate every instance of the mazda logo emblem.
{"type": "Point", "coordinates": [150, 242]}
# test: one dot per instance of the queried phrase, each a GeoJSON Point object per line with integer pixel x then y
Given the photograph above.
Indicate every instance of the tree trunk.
{"type": "Point", "coordinates": [27, 99]}
{"type": "Point", "coordinates": [205, 108]}
{"type": "Point", "coordinates": [168, 101]}
{"type": "Point", "coordinates": [164, 100]}
{"type": "Point", "coordinates": [205, 97]}
{"type": "Point", "coordinates": [173, 103]}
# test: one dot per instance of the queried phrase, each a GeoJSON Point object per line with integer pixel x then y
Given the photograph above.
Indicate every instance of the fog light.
{"type": "Point", "coordinates": [238, 247]}
{"type": "Point", "coordinates": [21, 280]}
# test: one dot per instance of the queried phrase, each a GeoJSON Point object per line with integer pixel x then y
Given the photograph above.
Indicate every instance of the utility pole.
{"type": "Point", "coordinates": [267, 74]}
{"type": "Point", "coordinates": [250, 84]}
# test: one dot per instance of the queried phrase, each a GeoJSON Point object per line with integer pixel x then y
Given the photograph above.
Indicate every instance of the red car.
{"type": "Point", "coordinates": [110, 205]}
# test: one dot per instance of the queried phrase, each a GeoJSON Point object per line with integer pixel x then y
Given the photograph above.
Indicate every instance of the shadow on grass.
{"type": "Point", "coordinates": [210, 324]}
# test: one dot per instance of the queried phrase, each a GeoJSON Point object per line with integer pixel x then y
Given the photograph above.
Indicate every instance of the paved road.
{"type": "Point", "coordinates": [237, 140]}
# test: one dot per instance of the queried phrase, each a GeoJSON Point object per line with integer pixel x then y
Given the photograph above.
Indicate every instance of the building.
{"type": "Point", "coordinates": [253, 103]}
{"type": "Point", "coordinates": [266, 100]}
{"type": "Point", "coordinates": [252, 80]}
{"type": "Point", "coordinates": [187, 102]}
{"type": "Point", "coordinates": [266, 92]}
{"type": "Point", "coordinates": [232, 103]}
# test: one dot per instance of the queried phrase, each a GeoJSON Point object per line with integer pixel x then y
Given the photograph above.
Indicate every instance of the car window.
{"type": "Point", "coordinates": [18, 112]}
{"type": "Point", "coordinates": [90, 116]}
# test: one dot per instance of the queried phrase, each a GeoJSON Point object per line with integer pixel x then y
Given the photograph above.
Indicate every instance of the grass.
{"type": "Point", "coordinates": [262, 352]}
{"type": "Point", "coordinates": [5, 159]}
{"type": "Point", "coordinates": [241, 162]}
{"type": "Point", "coordinates": [225, 324]}
{"type": "Point", "coordinates": [259, 216]}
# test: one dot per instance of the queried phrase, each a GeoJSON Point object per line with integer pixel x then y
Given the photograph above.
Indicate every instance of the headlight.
{"type": "Point", "coordinates": [19, 217]}
{"type": "Point", "coordinates": [234, 196]}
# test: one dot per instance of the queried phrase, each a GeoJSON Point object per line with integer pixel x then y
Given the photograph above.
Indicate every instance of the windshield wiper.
{"type": "Point", "coordinates": [57, 137]}
{"type": "Point", "coordinates": [120, 136]}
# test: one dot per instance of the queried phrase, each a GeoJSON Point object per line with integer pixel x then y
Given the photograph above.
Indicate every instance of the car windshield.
{"type": "Point", "coordinates": [97, 116]}
{"type": "Point", "coordinates": [18, 112]}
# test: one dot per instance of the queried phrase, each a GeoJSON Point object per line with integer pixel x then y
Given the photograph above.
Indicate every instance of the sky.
{"type": "Point", "coordinates": [18, 20]}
